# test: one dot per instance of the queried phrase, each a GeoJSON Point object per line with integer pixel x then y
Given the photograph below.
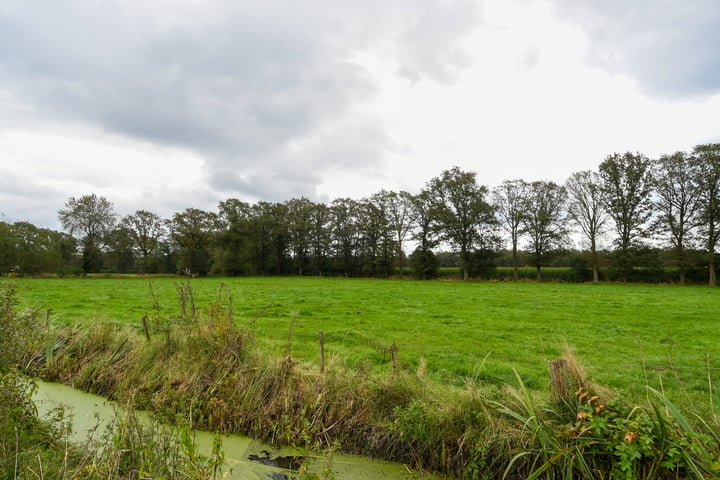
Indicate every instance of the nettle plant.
{"type": "Point", "coordinates": [592, 436]}
{"type": "Point", "coordinates": [627, 438]}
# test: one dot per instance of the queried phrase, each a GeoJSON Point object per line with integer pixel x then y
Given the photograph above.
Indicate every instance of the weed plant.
{"type": "Point", "coordinates": [591, 436]}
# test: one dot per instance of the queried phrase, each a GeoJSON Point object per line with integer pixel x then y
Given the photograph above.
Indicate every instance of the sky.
{"type": "Point", "coordinates": [165, 105]}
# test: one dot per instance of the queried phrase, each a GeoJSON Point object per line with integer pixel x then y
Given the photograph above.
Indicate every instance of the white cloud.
{"type": "Point", "coordinates": [168, 105]}
{"type": "Point", "coordinates": [666, 46]}
{"type": "Point", "coordinates": [43, 170]}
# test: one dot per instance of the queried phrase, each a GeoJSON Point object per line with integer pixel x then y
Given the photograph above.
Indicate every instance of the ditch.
{"type": "Point", "coordinates": [245, 458]}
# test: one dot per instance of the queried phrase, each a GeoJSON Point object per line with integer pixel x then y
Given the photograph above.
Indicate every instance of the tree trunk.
{"type": "Point", "coordinates": [400, 259]}
{"type": "Point", "coordinates": [681, 260]}
{"type": "Point", "coordinates": [539, 273]}
{"type": "Point", "coordinates": [712, 279]}
{"type": "Point", "coordinates": [710, 248]}
{"type": "Point", "coordinates": [515, 260]}
{"type": "Point", "coordinates": [465, 256]}
{"type": "Point", "coordinates": [594, 260]}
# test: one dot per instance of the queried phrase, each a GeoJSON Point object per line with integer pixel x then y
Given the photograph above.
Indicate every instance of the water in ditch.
{"type": "Point", "coordinates": [245, 458]}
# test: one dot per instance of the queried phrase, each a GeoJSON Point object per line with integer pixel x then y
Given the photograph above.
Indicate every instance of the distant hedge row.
{"type": "Point", "coordinates": [668, 275]}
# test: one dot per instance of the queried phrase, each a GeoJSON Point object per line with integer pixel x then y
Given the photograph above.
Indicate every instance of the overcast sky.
{"type": "Point", "coordinates": [168, 104]}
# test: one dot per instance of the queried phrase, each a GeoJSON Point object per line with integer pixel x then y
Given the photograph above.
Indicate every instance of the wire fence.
{"type": "Point", "coordinates": [433, 351]}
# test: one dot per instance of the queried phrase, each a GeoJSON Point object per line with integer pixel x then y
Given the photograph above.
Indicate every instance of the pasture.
{"type": "Point", "coordinates": [625, 336]}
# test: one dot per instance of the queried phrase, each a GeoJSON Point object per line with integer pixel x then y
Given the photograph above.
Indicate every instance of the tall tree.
{"type": "Point", "coordinates": [399, 214]}
{"type": "Point", "coordinates": [320, 238]}
{"type": "Point", "coordinates": [269, 237]}
{"type": "Point", "coordinates": [147, 230]}
{"type": "Point", "coordinates": [706, 162]}
{"type": "Point", "coordinates": [344, 226]}
{"type": "Point", "coordinates": [299, 226]}
{"type": "Point", "coordinates": [545, 221]}
{"type": "Point", "coordinates": [511, 203]}
{"type": "Point", "coordinates": [377, 246]}
{"type": "Point", "coordinates": [27, 249]}
{"type": "Point", "coordinates": [424, 262]}
{"type": "Point", "coordinates": [234, 239]}
{"type": "Point", "coordinates": [676, 201]}
{"type": "Point", "coordinates": [424, 230]}
{"type": "Point", "coordinates": [193, 231]}
{"type": "Point", "coordinates": [120, 250]}
{"type": "Point", "coordinates": [89, 218]}
{"type": "Point", "coordinates": [7, 248]}
{"type": "Point", "coordinates": [585, 209]}
{"type": "Point", "coordinates": [461, 212]}
{"type": "Point", "coordinates": [626, 188]}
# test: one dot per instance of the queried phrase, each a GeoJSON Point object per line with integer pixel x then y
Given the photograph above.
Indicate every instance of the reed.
{"type": "Point", "coordinates": [34, 448]}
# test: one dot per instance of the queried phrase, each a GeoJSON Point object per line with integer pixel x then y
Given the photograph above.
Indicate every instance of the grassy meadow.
{"type": "Point", "coordinates": [626, 336]}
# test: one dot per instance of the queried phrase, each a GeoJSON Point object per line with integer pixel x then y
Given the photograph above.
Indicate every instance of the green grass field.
{"type": "Point", "coordinates": [626, 336]}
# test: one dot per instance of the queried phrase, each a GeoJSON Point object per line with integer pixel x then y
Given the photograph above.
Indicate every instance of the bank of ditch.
{"type": "Point", "coordinates": [203, 367]}
{"type": "Point", "coordinates": [212, 375]}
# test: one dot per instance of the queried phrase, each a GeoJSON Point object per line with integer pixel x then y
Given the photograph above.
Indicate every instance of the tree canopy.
{"type": "Point", "coordinates": [91, 219]}
{"type": "Point", "coordinates": [632, 214]}
{"type": "Point", "coordinates": [462, 215]}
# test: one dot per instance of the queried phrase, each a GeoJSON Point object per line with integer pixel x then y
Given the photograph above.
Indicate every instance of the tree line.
{"type": "Point", "coordinates": [634, 206]}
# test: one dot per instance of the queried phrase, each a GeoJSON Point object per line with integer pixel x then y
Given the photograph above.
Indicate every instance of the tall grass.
{"type": "Point", "coordinates": [38, 449]}
{"type": "Point", "coordinates": [127, 448]}
{"type": "Point", "coordinates": [624, 333]}
{"type": "Point", "coordinates": [595, 434]}
{"type": "Point", "coordinates": [207, 368]}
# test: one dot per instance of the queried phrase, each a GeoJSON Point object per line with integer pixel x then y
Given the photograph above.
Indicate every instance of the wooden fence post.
{"type": "Point", "coordinates": [146, 328]}
{"type": "Point", "coordinates": [322, 351]}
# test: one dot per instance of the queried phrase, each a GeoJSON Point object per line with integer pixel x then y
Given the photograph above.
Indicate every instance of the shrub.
{"type": "Point", "coordinates": [424, 264]}
{"type": "Point", "coordinates": [592, 437]}
{"type": "Point", "coordinates": [20, 331]}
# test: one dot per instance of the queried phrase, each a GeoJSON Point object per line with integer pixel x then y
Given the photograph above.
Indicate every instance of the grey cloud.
{"type": "Point", "coordinates": [279, 184]}
{"type": "Point", "coordinates": [530, 57]}
{"type": "Point", "coordinates": [167, 201]}
{"type": "Point", "coordinates": [238, 82]}
{"type": "Point", "coordinates": [356, 144]}
{"type": "Point", "coordinates": [27, 200]}
{"type": "Point", "coordinates": [669, 47]}
{"type": "Point", "coordinates": [427, 49]}
{"type": "Point", "coordinates": [234, 88]}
